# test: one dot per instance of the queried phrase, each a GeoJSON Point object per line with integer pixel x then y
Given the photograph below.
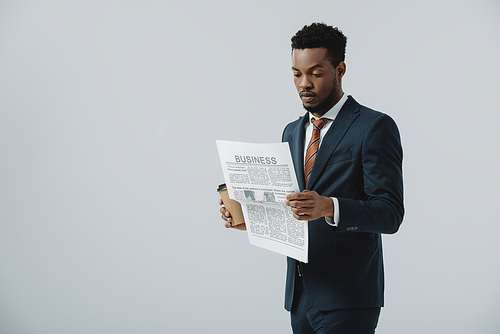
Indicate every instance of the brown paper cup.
{"type": "Point", "coordinates": [233, 207]}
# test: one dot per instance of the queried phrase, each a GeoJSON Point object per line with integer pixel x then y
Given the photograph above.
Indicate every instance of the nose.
{"type": "Point", "coordinates": [305, 82]}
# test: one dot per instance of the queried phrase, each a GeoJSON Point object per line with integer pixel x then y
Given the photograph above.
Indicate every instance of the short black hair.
{"type": "Point", "coordinates": [319, 35]}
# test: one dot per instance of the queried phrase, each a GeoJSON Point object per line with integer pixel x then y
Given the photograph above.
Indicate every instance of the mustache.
{"type": "Point", "coordinates": [306, 93]}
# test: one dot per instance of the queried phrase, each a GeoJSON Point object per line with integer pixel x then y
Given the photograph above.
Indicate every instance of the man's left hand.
{"type": "Point", "coordinates": [309, 205]}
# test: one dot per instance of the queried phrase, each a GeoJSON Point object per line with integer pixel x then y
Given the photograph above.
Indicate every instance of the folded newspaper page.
{"type": "Point", "coordinates": [259, 176]}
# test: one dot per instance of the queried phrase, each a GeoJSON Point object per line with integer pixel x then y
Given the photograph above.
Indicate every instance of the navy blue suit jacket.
{"type": "Point", "coordinates": [360, 163]}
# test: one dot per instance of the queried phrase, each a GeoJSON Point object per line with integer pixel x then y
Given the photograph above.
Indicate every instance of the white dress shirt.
{"type": "Point", "coordinates": [331, 115]}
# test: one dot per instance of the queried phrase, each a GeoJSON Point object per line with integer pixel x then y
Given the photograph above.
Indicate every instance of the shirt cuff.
{"type": "Point", "coordinates": [336, 213]}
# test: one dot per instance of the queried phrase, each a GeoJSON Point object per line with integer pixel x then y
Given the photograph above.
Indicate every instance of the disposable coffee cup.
{"type": "Point", "coordinates": [231, 205]}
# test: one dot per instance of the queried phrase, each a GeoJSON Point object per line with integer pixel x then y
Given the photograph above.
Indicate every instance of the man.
{"type": "Point", "coordinates": [351, 192]}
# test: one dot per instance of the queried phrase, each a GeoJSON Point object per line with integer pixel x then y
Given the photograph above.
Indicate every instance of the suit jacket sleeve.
{"type": "Point", "coordinates": [380, 208]}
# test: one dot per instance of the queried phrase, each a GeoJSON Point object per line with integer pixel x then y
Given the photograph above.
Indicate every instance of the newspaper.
{"type": "Point", "coordinates": [259, 176]}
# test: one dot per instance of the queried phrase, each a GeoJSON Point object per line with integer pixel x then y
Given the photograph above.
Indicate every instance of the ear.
{"type": "Point", "coordinates": [341, 68]}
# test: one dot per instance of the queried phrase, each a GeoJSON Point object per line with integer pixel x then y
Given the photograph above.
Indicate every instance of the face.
{"type": "Point", "coordinates": [318, 83]}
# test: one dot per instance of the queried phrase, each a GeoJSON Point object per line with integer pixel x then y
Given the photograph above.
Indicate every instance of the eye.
{"type": "Point", "coordinates": [297, 75]}
{"type": "Point", "coordinates": [317, 75]}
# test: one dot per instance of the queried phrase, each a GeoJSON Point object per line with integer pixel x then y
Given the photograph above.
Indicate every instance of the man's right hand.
{"type": "Point", "coordinates": [226, 215]}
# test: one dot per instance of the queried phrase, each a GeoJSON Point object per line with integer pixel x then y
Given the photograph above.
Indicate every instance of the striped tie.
{"type": "Point", "coordinates": [312, 148]}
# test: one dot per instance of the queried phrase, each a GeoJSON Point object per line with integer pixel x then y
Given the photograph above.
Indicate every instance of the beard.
{"type": "Point", "coordinates": [325, 105]}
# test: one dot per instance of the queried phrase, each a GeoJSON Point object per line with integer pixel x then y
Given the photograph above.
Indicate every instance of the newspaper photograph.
{"type": "Point", "coordinates": [259, 176]}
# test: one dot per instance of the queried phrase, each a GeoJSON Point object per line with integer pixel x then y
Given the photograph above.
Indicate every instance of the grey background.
{"type": "Point", "coordinates": [109, 112]}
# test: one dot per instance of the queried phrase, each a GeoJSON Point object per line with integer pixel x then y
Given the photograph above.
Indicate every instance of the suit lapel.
{"type": "Point", "coordinates": [297, 150]}
{"type": "Point", "coordinates": [341, 124]}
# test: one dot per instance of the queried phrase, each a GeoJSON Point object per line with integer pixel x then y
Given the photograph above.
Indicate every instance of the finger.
{"type": "Point", "coordinates": [302, 211]}
{"type": "Point", "coordinates": [226, 216]}
{"type": "Point", "coordinates": [293, 196]}
{"type": "Point", "coordinates": [299, 217]}
{"type": "Point", "coordinates": [294, 202]}
{"type": "Point", "coordinates": [301, 197]}
{"type": "Point", "coordinates": [224, 212]}
{"type": "Point", "coordinates": [301, 204]}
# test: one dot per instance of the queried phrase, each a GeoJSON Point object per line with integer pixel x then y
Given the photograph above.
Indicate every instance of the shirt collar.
{"type": "Point", "coordinates": [333, 112]}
